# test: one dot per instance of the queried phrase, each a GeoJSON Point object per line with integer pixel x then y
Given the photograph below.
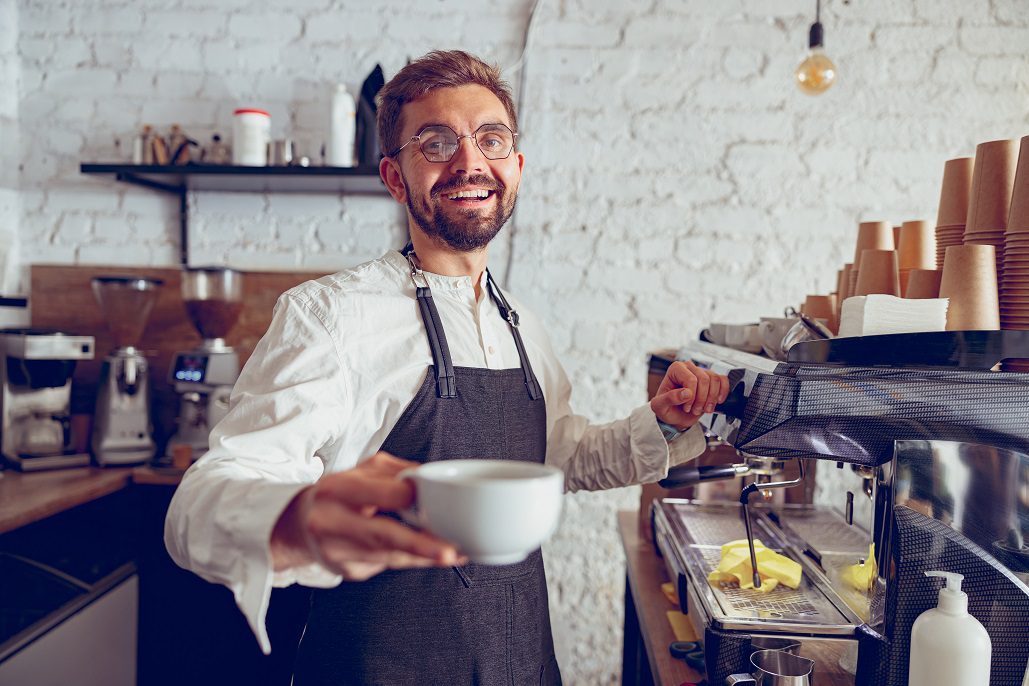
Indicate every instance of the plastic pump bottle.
{"type": "Point", "coordinates": [948, 645]}
{"type": "Point", "coordinates": [342, 128]}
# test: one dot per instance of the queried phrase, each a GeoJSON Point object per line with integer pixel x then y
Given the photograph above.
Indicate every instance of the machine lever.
{"type": "Point", "coordinates": [687, 476]}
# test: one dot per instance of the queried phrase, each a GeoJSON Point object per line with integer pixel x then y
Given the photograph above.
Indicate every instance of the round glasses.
{"type": "Point", "coordinates": [439, 143]}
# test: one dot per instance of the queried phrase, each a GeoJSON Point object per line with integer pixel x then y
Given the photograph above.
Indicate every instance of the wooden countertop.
{"type": "Point", "coordinates": [646, 573]}
{"type": "Point", "coordinates": [31, 496]}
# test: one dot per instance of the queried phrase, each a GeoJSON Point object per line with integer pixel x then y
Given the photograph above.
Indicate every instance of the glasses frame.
{"type": "Point", "coordinates": [472, 135]}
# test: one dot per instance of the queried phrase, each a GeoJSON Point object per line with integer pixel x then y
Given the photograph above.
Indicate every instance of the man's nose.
{"type": "Point", "coordinates": [468, 159]}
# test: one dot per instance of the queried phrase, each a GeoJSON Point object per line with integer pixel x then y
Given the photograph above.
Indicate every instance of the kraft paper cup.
{"type": "Point", "coordinates": [916, 247]}
{"type": "Point", "coordinates": [822, 307]}
{"type": "Point", "coordinates": [970, 282]}
{"type": "Point", "coordinates": [923, 284]}
{"type": "Point", "coordinates": [1018, 214]}
{"type": "Point", "coordinates": [993, 177]}
{"type": "Point", "coordinates": [873, 236]}
{"type": "Point", "coordinates": [843, 291]}
{"type": "Point", "coordinates": [878, 273]}
{"type": "Point", "coordinates": [896, 235]}
{"type": "Point", "coordinates": [957, 182]}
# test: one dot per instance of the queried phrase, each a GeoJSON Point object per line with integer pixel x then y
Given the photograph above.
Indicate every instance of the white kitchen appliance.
{"type": "Point", "coordinates": [122, 429]}
{"type": "Point", "coordinates": [204, 377]}
{"type": "Point", "coordinates": [35, 397]}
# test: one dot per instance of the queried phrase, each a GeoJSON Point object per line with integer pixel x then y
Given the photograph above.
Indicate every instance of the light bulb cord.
{"type": "Point", "coordinates": [816, 36]}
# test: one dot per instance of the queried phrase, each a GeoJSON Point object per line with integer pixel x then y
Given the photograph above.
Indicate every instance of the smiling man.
{"type": "Point", "coordinates": [416, 355]}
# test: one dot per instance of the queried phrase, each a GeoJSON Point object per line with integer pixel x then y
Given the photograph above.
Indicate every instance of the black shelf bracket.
{"type": "Point", "coordinates": [181, 191]}
{"type": "Point", "coordinates": [179, 180]}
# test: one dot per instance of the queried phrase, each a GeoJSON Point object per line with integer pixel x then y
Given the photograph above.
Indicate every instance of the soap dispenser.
{"type": "Point", "coordinates": [948, 645]}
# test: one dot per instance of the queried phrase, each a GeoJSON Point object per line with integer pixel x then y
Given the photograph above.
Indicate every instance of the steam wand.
{"type": "Point", "coordinates": [744, 500]}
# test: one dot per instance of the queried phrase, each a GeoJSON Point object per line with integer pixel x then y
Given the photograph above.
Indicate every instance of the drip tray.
{"type": "Point", "coordinates": [691, 534]}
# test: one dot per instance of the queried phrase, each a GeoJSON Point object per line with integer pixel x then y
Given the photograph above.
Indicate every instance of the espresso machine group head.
{"type": "Point", "coordinates": [123, 432]}
{"type": "Point", "coordinates": [35, 398]}
{"type": "Point", "coordinates": [943, 456]}
{"type": "Point", "coordinates": [204, 377]}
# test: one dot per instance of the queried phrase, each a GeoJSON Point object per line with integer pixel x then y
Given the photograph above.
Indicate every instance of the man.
{"type": "Point", "coordinates": [417, 355]}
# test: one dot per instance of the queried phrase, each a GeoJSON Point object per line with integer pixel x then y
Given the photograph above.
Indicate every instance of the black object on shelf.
{"type": "Point", "coordinates": [13, 301]}
{"type": "Point", "coordinates": [964, 349]}
{"type": "Point", "coordinates": [180, 179]}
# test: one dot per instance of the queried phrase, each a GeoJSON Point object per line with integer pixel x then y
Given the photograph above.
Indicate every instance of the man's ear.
{"type": "Point", "coordinates": [389, 171]}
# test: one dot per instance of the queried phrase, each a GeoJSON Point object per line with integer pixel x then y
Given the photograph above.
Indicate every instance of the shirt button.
{"type": "Point", "coordinates": [491, 350]}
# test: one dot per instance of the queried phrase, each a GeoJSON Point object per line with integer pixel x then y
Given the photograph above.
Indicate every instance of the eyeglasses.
{"type": "Point", "coordinates": [440, 143]}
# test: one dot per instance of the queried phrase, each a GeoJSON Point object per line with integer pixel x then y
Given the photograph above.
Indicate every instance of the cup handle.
{"type": "Point", "coordinates": [412, 515]}
{"type": "Point", "coordinates": [740, 680]}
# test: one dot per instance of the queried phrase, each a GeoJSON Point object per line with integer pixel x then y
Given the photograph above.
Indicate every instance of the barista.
{"type": "Point", "coordinates": [419, 355]}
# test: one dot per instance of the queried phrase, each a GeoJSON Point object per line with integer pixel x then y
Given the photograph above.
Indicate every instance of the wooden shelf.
{"type": "Point", "coordinates": [196, 177]}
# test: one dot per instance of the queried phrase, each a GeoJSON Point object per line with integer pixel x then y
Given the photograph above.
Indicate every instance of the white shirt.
{"type": "Point", "coordinates": [342, 359]}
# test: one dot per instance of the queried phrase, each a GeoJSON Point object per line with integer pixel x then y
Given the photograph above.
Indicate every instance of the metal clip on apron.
{"type": "Point", "coordinates": [477, 624]}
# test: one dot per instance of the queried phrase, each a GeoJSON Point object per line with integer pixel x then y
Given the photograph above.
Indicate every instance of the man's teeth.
{"type": "Point", "coordinates": [479, 193]}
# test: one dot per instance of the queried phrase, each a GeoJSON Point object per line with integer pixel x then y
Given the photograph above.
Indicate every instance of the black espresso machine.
{"type": "Point", "coordinates": [939, 444]}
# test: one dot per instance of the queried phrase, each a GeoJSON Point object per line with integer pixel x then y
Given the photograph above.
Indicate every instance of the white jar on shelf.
{"type": "Point", "coordinates": [251, 132]}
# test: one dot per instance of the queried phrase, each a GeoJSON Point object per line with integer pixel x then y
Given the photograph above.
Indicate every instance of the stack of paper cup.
{"type": "Point", "coordinates": [871, 236]}
{"type": "Point", "coordinates": [953, 211]}
{"type": "Point", "coordinates": [923, 284]}
{"type": "Point", "coordinates": [1014, 292]}
{"type": "Point", "coordinates": [990, 198]}
{"type": "Point", "coordinates": [916, 249]}
{"type": "Point", "coordinates": [878, 273]}
{"type": "Point", "coordinates": [970, 282]}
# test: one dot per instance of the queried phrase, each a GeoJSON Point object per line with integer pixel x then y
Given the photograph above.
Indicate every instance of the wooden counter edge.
{"type": "Point", "coordinates": [645, 574]}
{"type": "Point", "coordinates": [29, 497]}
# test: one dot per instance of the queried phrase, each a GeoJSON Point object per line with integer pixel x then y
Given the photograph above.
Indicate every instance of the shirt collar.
{"type": "Point", "coordinates": [436, 281]}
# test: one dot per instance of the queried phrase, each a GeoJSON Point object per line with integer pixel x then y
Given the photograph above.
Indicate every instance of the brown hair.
{"type": "Point", "coordinates": [437, 69]}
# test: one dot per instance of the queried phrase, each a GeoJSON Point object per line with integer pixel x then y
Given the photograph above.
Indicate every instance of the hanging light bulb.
{"type": "Point", "coordinates": [817, 72]}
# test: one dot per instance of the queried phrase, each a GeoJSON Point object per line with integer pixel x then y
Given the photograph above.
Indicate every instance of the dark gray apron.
{"type": "Point", "coordinates": [476, 624]}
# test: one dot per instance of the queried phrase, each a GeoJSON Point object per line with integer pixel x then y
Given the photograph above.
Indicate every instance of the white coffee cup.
{"type": "Point", "coordinates": [495, 511]}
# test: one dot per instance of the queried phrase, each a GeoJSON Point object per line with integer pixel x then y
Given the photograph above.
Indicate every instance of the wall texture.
{"type": "Point", "coordinates": [675, 175]}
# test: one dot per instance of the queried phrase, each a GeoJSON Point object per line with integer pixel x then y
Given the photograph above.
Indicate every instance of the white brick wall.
{"type": "Point", "coordinates": [674, 173]}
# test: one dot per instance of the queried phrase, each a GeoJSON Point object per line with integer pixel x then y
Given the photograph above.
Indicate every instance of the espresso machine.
{"type": "Point", "coordinates": [204, 377]}
{"type": "Point", "coordinates": [36, 431]}
{"type": "Point", "coordinates": [122, 429]}
{"type": "Point", "coordinates": [937, 448]}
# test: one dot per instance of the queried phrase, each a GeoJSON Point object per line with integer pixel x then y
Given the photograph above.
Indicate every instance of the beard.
{"type": "Point", "coordinates": [470, 230]}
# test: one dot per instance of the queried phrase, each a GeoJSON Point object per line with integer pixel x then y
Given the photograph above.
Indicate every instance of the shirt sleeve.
{"type": "Point", "coordinates": [600, 456]}
{"type": "Point", "coordinates": [285, 412]}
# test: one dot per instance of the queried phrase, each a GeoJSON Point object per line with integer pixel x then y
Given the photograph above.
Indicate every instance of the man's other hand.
{"type": "Point", "coordinates": [686, 393]}
{"type": "Point", "coordinates": [334, 522]}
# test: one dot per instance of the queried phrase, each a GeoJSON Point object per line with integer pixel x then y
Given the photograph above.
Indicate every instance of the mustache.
{"type": "Point", "coordinates": [480, 180]}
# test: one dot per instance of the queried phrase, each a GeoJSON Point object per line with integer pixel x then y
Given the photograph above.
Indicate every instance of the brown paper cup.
{"type": "Point", "coordinates": [878, 273]}
{"type": "Point", "coordinates": [970, 282]}
{"type": "Point", "coordinates": [923, 283]}
{"type": "Point", "coordinates": [993, 177]}
{"type": "Point", "coordinates": [1018, 215]}
{"type": "Point", "coordinates": [844, 290]}
{"type": "Point", "coordinates": [873, 236]}
{"type": "Point", "coordinates": [957, 181]}
{"type": "Point", "coordinates": [896, 235]}
{"type": "Point", "coordinates": [916, 248]}
{"type": "Point", "coordinates": [821, 307]}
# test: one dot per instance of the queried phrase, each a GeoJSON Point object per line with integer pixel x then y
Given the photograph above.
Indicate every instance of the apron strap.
{"type": "Point", "coordinates": [508, 313]}
{"type": "Point", "coordinates": [446, 381]}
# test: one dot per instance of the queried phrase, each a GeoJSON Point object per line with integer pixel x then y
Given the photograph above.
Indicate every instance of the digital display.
{"type": "Point", "coordinates": [190, 368]}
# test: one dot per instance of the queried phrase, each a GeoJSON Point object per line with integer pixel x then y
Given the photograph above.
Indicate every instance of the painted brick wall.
{"type": "Point", "coordinates": [674, 176]}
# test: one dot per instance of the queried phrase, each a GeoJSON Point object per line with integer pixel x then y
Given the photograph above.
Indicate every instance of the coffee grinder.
{"type": "Point", "coordinates": [35, 398]}
{"type": "Point", "coordinates": [204, 377]}
{"type": "Point", "coordinates": [123, 432]}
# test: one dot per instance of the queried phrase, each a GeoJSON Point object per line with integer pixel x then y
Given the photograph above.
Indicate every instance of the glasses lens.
{"type": "Point", "coordinates": [438, 143]}
{"type": "Point", "coordinates": [495, 141]}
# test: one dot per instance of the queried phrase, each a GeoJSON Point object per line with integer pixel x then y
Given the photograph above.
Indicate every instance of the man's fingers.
{"type": "Point", "coordinates": [703, 387]}
{"type": "Point", "coordinates": [359, 490]}
{"type": "Point", "coordinates": [682, 376]}
{"type": "Point", "coordinates": [384, 464]}
{"type": "Point", "coordinates": [335, 528]}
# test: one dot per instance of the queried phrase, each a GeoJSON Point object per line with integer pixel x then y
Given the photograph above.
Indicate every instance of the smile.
{"type": "Point", "coordinates": [469, 197]}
